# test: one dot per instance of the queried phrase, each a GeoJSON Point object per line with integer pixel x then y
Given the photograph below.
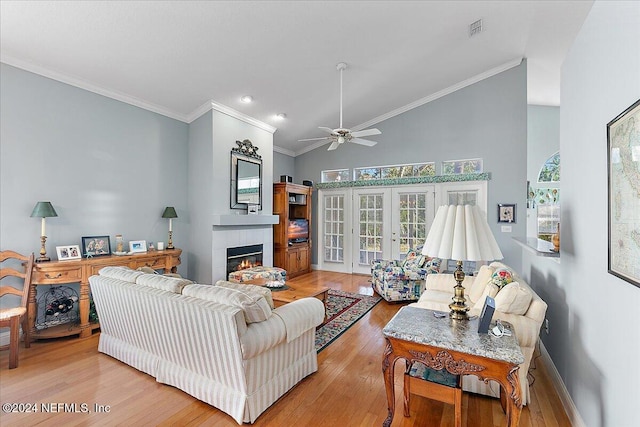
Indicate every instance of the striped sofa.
{"type": "Point", "coordinates": [223, 344]}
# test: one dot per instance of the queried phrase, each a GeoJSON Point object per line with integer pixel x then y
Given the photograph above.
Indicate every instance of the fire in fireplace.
{"type": "Point", "coordinates": [243, 257]}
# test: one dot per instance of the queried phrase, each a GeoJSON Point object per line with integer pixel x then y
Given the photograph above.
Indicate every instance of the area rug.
{"type": "Point", "coordinates": [343, 310]}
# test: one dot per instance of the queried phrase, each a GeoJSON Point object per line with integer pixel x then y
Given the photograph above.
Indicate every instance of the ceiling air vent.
{"type": "Point", "coordinates": [475, 28]}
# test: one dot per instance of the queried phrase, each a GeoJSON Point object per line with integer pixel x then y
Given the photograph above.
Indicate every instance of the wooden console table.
{"type": "Point", "coordinates": [79, 271]}
{"type": "Point", "coordinates": [416, 335]}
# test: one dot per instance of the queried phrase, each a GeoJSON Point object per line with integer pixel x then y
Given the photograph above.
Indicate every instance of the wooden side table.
{"type": "Point", "coordinates": [79, 271]}
{"type": "Point", "coordinates": [416, 335]}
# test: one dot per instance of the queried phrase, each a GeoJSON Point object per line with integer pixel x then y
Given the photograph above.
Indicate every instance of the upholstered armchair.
{"type": "Point", "coordinates": [403, 280]}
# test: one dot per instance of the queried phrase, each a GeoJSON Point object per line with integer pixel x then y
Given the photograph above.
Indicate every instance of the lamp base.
{"type": "Point", "coordinates": [459, 306]}
{"type": "Point", "coordinates": [42, 259]}
{"type": "Point", "coordinates": [170, 242]}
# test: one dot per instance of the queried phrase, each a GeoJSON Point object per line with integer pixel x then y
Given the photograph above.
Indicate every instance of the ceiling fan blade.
{"type": "Point", "coordinates": [326, 129]}
{"type": "Point", "coordinates": [333, 145]}
{"type": "Point", "coordinates": [314, 139]}
{"type": "Point", "coordinates": [363, 142]}
{"type": "Point", "coordinates": [366, 132]}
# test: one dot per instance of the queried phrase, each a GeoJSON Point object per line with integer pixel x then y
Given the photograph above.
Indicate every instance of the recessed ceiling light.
{"type": "Point", "coordinates": [247, 99]}
{"type": "Point", "coordinates": [281, 116]}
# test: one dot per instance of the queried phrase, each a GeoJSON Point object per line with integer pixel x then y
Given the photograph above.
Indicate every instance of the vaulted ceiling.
{"type": "Point", "coordinates": [172, 57]}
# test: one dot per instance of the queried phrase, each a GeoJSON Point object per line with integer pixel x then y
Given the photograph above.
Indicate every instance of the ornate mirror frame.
{"type": "Point", "coordinates": [244, 161]}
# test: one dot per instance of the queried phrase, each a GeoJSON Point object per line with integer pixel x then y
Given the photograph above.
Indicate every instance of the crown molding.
{"type": "Point", "coordinates": [475, 79]}
{"type": "Point", "coordinates": [212, 105]}
{"type": "Point", "coordinates": [119, 96]}
{"type": "Point", "coordinates": [83, 84]}
{"type": "Point", "coordinates": [284, 151]}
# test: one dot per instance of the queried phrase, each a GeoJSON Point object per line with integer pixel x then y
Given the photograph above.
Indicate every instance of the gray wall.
{"type": "Point", "coordinates": [107, 167]}
{"type": "Point", "coordinates": [594, 340]}
{"type": "Point", "coordinates": [200, 196]}
{"type": "Point", "coordinates": [543, 138]}
{"type": "Point", "coordinates": [284, 165]}
{"type": "Point", "coordinates": [487, 119]}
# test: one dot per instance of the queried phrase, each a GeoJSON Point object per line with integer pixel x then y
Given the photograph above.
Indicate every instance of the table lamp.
{"type": "Point", "coordinates": [43, 210]}
{"type": "Point", "coordinates": [170, 212]}
{"type": "Point", "coordinates": [460, 233]}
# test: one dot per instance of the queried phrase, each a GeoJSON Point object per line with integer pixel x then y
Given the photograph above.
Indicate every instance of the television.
{"type": "Point", "coordinates": [298, 230]}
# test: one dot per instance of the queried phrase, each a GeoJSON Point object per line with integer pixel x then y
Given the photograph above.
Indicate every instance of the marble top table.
{"type": "Point", "coordinates": [417, 335]}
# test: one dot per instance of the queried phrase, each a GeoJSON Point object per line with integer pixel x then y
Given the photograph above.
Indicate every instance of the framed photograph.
{"type": "Point", "coordinates": [623, 151]}
{"type": "Point", "coordinates": [137, 246]}
{"type": "Point", "coordinates": [506, 213]}
{"type": "Point", "coordinates": [68, 252]}
{"type": "Point", "coordinates": [96, 246]}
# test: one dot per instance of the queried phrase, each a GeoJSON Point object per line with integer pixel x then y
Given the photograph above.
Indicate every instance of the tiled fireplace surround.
{"type": "Point", "coordinates": [239, 235]}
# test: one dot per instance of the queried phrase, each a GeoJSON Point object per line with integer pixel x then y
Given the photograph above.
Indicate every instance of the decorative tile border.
{"type": "Point", "coordinates": [485, 176]}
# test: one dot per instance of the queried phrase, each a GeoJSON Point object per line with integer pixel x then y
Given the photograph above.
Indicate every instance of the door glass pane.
{"type": "Point", "coordinates": [333, 228]}
{"type": "Point", "coordinates": [370, 239]}
{"type": "Point", "coordinates": [412, 217]}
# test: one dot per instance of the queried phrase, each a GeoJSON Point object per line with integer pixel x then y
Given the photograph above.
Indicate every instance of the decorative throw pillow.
{"type": "Point", "coordinates": [254, 306]}
{"type": "Point", "coordinates": [414, 259]}
{"type": "Point", "coordinates": [260, 290]}
{"type": "Point", "coordinates": [121, 273]}
{"type": "Point", "coordinates": [432, 265]}
{"type": "Point", "coordinates": [502, 277]}
{"type": "Point", "coordinates": [513, 298]}
{"type": "Point", "coordinates": [157, 281]}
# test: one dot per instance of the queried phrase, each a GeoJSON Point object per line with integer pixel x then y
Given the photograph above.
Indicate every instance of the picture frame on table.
{"type": "Point", "coordinates": [623, 156]}
{"type": "Point", "coordinates": [137, 246]}
{"type": "Point", "coordinates": [93, 246]}
{"type": "Point", "coordinates": [507, 213]}
{"type": "Point", "coordinates": [68, 252]}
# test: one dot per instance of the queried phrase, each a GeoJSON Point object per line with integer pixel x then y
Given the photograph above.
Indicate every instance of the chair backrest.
{"type": "Point", "coordinates": [27, 263]}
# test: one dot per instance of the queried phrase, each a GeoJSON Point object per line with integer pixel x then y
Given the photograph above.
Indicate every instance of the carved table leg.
{"type": "Point", "coordinates": [388, 364]}
{"type": "Point", "coordinates": [513, 398]}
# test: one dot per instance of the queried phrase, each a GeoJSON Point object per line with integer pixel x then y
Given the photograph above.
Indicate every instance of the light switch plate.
{"type": "Point", "coordinates": [506, 229]}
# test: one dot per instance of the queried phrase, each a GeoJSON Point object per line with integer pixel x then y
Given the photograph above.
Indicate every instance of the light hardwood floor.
{"type": "Point", "coordinates": [347, 390]}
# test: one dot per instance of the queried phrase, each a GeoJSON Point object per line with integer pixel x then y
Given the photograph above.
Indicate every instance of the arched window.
{"type": "Point", "coordinates": [550, 171]}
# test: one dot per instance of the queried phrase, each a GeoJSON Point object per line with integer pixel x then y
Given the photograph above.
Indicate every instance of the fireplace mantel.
{"type": "Point", "coordinates": [248, 220]}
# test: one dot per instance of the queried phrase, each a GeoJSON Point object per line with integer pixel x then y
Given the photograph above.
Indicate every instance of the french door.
{"type": "Point", "coordinates": [389, 221]}
{"type": "Point", "coordinates": [357, 225]}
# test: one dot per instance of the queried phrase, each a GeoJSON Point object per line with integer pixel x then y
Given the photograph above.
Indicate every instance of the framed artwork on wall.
{"type": "Point", "coordinates": [96, 246]}
{"type": "Point", "coordinates": [623, 152]}
{"type": "Point", "coordinates": [506, 213]}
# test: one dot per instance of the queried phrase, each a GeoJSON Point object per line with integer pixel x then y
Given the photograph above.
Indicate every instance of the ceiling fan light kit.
{"type": "Point", "coordinates": [341, 135]}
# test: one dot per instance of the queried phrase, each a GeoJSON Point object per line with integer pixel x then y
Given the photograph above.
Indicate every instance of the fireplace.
{"type": "Point", "coordinates": [242, 257]}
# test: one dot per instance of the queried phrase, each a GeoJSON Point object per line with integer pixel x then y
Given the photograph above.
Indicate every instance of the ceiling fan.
{"type": "Point", "coordinates": [341, 135]}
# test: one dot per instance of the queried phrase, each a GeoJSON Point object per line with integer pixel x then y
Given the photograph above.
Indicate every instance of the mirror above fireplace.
{"type": "Point", "coordinates": [246, 176]}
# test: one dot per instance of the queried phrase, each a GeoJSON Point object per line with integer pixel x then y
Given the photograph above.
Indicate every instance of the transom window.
{"type": "Point", "coordinates": [459, 167]}
{"type": "Point", "coordinates": [397, 171]}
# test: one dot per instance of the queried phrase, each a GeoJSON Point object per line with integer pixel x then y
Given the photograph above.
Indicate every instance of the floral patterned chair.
{"type": "Point", "coordinates": [403, 280]}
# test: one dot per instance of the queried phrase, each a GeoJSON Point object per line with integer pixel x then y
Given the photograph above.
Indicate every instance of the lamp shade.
{"type": "Point", "coordinates": [43, 210]}
{"type": "Point", "coordinates": [461, 233]}
{"type": "Point", "coordinates": [169, 212]}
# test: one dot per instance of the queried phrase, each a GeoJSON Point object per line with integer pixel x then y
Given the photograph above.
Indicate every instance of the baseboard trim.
{"type": "Point", "coordinates": [567, 402]}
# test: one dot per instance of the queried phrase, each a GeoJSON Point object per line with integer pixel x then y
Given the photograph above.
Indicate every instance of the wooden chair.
{"type": "Point", "coordinates": [12, 317]}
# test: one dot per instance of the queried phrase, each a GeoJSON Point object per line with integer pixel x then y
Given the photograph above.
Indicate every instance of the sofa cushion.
{"type": "Point", "coordinates": [171, 284]}
{"type": "Point", "coordinates": [513, 298]}
{"type": "Point", "coordinates": [261, 290]}
{"type": "Point", "coordinates": [253, 305]}
{"type": "Point", "coordinates": [121, 273]}
{"type": "Point", "coordinates": [480, 283]}
{"type": "Point", "coordinates": [432, 265]}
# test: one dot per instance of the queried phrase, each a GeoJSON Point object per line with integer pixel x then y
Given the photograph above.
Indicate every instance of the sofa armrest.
{"type": "Point", "coordinates": [301, 315]}
{"type": "Point", "coordinates": [261, 336]}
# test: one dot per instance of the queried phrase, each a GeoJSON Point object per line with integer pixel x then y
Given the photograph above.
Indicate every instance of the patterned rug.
{"type": "Point", "coordinates": [343, 310]}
